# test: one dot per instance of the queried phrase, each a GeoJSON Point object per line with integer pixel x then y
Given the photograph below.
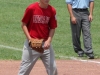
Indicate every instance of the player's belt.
{"type": "Point", "coordinates": [80, 9]}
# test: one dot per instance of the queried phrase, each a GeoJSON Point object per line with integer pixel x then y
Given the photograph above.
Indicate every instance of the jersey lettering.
{"type": "Point", "coordinates": [40, 19]}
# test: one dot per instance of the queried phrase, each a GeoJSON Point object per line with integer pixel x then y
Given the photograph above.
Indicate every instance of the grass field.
{"type": "Point", "coordinates": [11, 35]}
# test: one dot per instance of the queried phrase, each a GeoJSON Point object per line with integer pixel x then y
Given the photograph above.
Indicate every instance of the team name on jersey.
{"type": "Point", "coordinates": [40, 19]}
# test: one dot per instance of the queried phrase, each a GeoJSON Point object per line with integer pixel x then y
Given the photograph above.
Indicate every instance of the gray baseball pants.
{"type": "Point", "coordinates": [83, 25]}
{"type": "Point", "coordinates": [29, 58]}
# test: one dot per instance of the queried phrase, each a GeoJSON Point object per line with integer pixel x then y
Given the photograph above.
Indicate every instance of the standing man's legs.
{"type": "Point", "coordinates": [86, 33]}
{"type": "Point", "coordinates": [48, 59]}
{"type": "Point", "coordinates": [29, 58]}
{"type": "Point", "coordinates": [76, 33]}
{"type": "Point", "coordinates": [84, 25]}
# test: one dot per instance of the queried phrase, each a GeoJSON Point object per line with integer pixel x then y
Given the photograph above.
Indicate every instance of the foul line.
{"type": "Point", "coordinates": [8, 47]}
{"type": "Point", "coordinates": [78, 59]}
{"type": "Point", "coordinates": [72, 58]}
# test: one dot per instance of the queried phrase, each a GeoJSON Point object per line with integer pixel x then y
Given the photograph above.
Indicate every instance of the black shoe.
{"type": "Point", "coordinates": [81, 55]}
{"type": "Point", "coordinates": [90, 55]}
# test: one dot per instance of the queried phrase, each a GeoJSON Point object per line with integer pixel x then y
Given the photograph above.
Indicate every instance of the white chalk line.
{"type": "Point", "coordinates": [78, 59]}
{"type": "Point", "coordinates": [8, 47]}
{"type": "Point", "coordinates": [72, 58]}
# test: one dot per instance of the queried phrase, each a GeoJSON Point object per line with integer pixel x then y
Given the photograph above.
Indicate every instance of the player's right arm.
{"type": "Point", "coordinates": [73, 19]}
{"type": "Point", "coordinates": [25, 20]}
{"type": "Point", "coordinates": [25, 30]}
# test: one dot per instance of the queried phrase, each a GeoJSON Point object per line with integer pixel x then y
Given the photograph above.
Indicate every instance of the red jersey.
{"type": "Point", "coordinates": [39, 20]}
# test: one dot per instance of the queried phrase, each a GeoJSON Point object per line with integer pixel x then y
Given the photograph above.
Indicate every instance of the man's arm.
{"type": "Point", "coordinates": [70, 10]}
{"type": "Point", "coordinates": [73, 19]}
{"type": "Point", "coordinates": [48, 41]}
{"type": "Point", "coordinates": [91, 7]}
{"type": "Point", "coordinates": [25, 30]}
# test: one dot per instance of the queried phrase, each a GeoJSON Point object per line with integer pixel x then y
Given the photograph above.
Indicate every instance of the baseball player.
{"type": "Point", "coordinates": [39, 22]}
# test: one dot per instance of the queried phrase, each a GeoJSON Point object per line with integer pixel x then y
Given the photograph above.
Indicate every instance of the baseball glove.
{"type": "Point", "coordinates": [36, 44]}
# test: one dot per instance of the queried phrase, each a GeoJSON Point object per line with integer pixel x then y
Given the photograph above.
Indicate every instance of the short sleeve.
{"type": "Point", "coordinates": [27, 16]}
{"type": "Point", "coordinates": [68, 1]}
{"type": "Point", "coordinates": [53, 20]}
{"type": "Point", "coordinates": [91, 0]}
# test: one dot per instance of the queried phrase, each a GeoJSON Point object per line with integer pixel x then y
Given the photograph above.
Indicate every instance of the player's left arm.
{"type": "Point", "coordinates": [48, 41]}
{"type": "Point", "coordinates": [91, 7]}
{"type": "Point", "coordinates": [52, 25]}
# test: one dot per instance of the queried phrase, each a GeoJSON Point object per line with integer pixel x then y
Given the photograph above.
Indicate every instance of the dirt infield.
{"type": "Point", "coordinates": [65, 67]}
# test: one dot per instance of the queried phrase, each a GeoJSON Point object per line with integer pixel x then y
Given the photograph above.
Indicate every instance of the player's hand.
{"type": "Point", "coordinates": [46, 44]}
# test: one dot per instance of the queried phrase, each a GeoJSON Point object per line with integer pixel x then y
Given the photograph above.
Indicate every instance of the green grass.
{"type": "Point", "coordinates": [11, 34]}
{"type": "Point", "coordinates": [10, 54]}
